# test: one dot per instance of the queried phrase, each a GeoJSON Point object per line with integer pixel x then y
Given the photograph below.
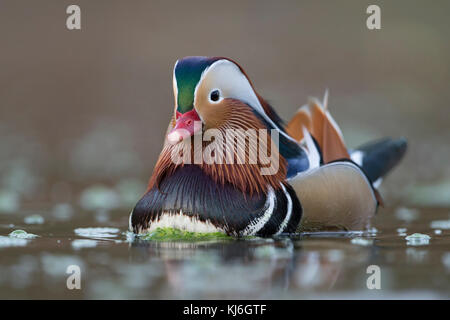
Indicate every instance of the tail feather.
{"type": "Point", "coordinates": [378, 157]}
{"type": "Point", "coordinates": [317, 120]}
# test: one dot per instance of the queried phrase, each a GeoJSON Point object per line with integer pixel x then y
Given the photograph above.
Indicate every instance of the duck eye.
{"type": "Point", "coordinates": [214, 95]}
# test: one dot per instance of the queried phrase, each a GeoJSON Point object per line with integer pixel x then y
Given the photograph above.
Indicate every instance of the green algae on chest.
{"type": "Point", "coordinates": [171, 234]}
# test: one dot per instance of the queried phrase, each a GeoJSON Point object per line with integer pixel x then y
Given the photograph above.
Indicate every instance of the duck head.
{"type": "Point", "coordinates": [210, 90]}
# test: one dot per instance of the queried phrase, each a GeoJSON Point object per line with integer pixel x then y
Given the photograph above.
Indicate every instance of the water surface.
{"type": "Point", "coordinates": [114, 264]}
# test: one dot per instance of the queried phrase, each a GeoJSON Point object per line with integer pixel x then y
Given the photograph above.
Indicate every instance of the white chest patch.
{"type": "Point", "coordinates": [183, 222]}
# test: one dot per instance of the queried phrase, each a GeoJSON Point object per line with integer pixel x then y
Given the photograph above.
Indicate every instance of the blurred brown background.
{"type": "Point", "coordinates": [84, 107]}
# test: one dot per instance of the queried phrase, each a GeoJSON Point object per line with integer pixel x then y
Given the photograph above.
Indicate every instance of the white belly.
{"type": "Point", "coordinates": [182, 222]}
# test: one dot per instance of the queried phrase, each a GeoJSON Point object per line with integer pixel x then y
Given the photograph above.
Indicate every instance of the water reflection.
{"type": "Point", "coordinates": [241, 268]}
{"type": "Point", "coordinates": [117, 265]}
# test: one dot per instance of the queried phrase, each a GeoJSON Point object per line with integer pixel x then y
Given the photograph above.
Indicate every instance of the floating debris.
{"type": "Point", "coordinates": [9, 201]}
{"type": "Point", "coordinates": [99, 197]}
{"type": "Point", "coordinates": [440, 224]}
{"type": "Point", "coordinates": [362, 241]}
{"type": "Point", "coordinates": [417, 239]}
{"type": "Point", "coordinates": [419, 236]}
{"type": "Point", "coordinates": [401, 230]}
{"type": "Point", "coordinates": [83, 243]}
{"type": "Point", "coordinates": [372, 231]}
{"type": "Point", "coordinates": [22, 234]}
{"type": "Point", "coordinates": [97, 233]}
{"type": "Point", "coordinates": [6, 242]}
{"type": "Point", "coordinates": [438, 231]}
{"type": "Point", "coordinates": [406, 214]}
{"type": "Point", "coordinates": [34, 219]}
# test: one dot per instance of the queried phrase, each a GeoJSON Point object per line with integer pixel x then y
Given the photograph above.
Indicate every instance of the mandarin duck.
{"type": "Point", "coordinates": [315, 182]}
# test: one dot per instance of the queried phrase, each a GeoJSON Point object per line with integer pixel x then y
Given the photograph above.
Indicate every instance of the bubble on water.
{"type": "Point", "coordinates": [83, 243]}
{"type": "Point", "coordinates": [440, 224]}
{"type": "Point", "coordinates": [97, 233]}
{"type": "Point", "coordinates": [362, 241]}
{"type": "Point", "coordinates": [417, 239]}
{"type": "Point", "coordinates": [418, 236]}
{"type": "Point", "coordinates": [9, 201]}
{"type": "Point", "coordinates": [6, 242]}
{"type": "Point", "coordinates": [99, 197]}
{"type": "Point", "coordinates": [34, 219]}
{"type": "Point", "coordinates": [406, 214]}
{"type": "Point", "coordinates": [22, 234]}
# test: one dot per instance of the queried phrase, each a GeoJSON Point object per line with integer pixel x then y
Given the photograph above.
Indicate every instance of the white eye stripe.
{"type": "Point", "coordinates": [175, 85]}
{"type": "Point", "coordinates": [227, 75]}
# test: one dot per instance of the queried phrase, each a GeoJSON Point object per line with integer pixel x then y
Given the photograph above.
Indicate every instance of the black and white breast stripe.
{"type": "Point", "coordinates": [288, 216]}
{"type": "Point", "coordinates": [281, 213]}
